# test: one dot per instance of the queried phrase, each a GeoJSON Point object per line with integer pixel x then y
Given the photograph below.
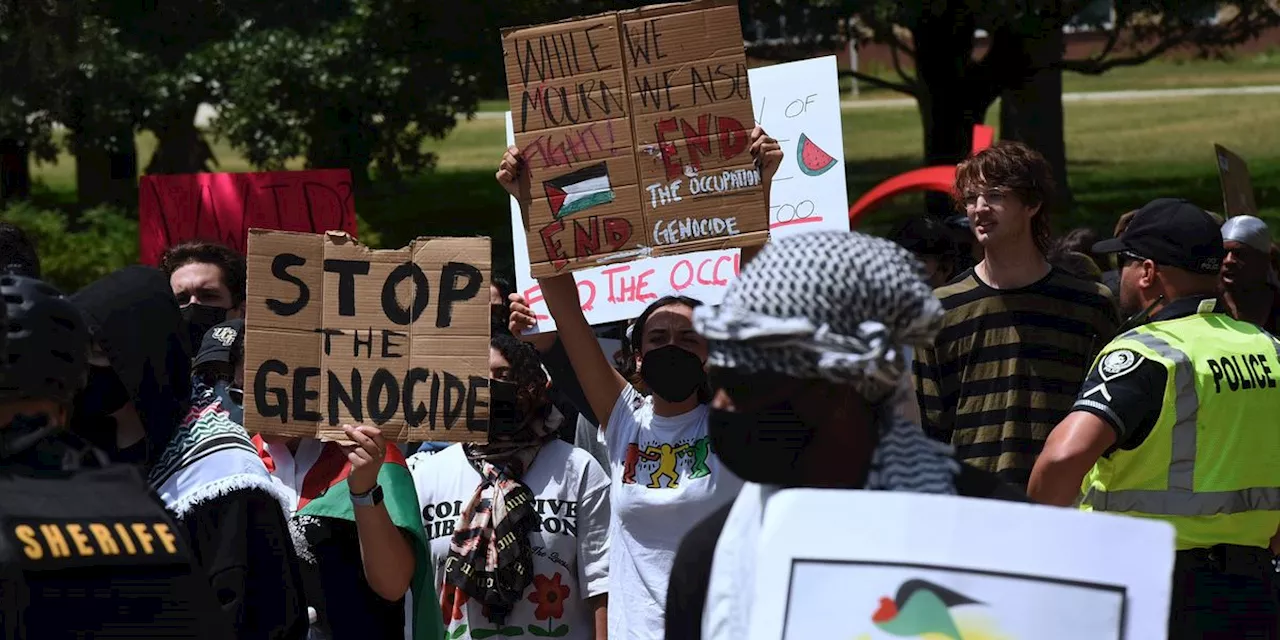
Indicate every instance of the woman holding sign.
{"type": "Point", "coordinates": [665, 477]}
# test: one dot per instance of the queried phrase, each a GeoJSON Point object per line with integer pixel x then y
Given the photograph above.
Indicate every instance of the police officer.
{"type": "Point", "coordinates": [1177, 421]}
{"type": "Point", "coordinates": [85, 549]}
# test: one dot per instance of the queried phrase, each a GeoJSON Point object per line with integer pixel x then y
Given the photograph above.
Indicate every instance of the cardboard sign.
{"type": "Point", "coordinates": [1041, 572]}
{"type": "Point", "coordinates": [1237, 187]}
{"type": "Point", "coordinates": [337, 333]}
{"type": "Point", "coordinates": [635, 131]}
{"type": "Point", "coordinates": [222, 207]}
{"type": "Point", "coordinates": [795, 101]}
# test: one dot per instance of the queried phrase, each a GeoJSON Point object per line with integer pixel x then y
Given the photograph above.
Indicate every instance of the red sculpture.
{"type": "Point", "coordinates": [942, 178]}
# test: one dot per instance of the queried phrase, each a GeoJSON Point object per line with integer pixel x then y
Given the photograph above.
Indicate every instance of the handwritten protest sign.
{"type": "Point", "coordinates": [337, 333]}
{"type": "Point", "coordinates": [1237, 186]}
{"type": "Point", "coordinates": [222, 207]}
{"type": "Point", "coordinates": [798, 103]}
{"type": "Point", "coordinates": [1106, 576]}
{"type": "Point", "coordinates": [621, 292]}
{"type": "Point", "coordinates": [634, 127]}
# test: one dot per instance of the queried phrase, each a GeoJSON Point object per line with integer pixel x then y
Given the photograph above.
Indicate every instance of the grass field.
{"type": "Point", "coordinates": [1121, 154]}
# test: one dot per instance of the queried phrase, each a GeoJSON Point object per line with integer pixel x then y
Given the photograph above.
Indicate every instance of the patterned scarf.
{"type": "Point", "coordinates": [489, 557]}
{"type": "Point", "coordinates": [209, 455]}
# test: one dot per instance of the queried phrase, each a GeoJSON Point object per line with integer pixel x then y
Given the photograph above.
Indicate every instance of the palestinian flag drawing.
{"type": "Point", "coordinates": [325, 494]}
{"type": "Point", "coordinates": [579, 190]}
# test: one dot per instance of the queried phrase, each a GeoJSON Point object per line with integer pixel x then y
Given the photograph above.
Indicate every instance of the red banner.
{"type": "Point", "coordinates": [222, 207]}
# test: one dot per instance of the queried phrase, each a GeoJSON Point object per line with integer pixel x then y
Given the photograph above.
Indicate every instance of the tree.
{"type": "Point", "coordinates": [933, 46]}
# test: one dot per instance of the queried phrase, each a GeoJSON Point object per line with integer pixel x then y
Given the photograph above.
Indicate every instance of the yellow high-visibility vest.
{"type": "Point", "coordinates": [1211, 464]}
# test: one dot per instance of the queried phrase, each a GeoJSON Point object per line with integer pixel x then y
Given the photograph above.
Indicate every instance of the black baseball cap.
{"type": "Point", "coordinates": [221, 343]}
{"type": "Point", "coordinates": [1172, 232]}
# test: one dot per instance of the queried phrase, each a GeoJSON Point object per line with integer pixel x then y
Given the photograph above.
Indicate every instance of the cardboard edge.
{"type": "Point", "coordinates": [505, 31]}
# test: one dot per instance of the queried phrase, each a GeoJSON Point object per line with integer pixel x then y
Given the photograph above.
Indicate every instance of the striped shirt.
{"type": "Point", "coordinates": [1007, 365]}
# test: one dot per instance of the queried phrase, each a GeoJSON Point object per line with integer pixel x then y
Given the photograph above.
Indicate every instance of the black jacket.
{"type": "Point", "coordinates": [241, 539]}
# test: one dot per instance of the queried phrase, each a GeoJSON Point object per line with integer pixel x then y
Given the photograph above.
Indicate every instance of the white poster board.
{"type": "Point", "coordinates": [907, 565]}
{"type": "Point", "coordinates": [799, 104]}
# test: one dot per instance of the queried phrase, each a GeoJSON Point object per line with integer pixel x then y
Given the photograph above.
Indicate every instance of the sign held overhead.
{"type": "Point", "coordinates": [634, 127]}
{"type": "Point", "coordinates": [337, 333]}
{"type": "Point", "coordinates": [222, 207]}
{"type": "Point", "coordinates": [1237, 186]}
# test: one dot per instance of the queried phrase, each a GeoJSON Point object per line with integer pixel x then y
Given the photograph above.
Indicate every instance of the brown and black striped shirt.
{"type": "Point", "coordinates": [1007, 365]}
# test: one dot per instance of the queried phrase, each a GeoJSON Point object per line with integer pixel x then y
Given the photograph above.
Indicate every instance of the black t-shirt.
{"type": "Point", "coordinates": [243, 542]}
{"type": "Point", "coordinates": [347, 607]}
{"type": "Point", "coordinates": [691, 572]}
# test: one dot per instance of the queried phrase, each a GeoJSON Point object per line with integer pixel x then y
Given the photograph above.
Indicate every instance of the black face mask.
{"type": "Point", "coordinates": [505, 415]}
{"type": "Point", "coordinates": [199, 319]}
{"type": "Point", "coordinates": [103, 395]}
{"type": "Point", "coordinates": [672, 373]}
{"type": "Point", "coordinates": [763, 446]}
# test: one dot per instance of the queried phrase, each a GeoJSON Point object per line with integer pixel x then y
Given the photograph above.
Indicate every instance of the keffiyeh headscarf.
{"type": "Point", "coordinates": [838, 306]}
{"type": "Point", "coordinates": [830, 305]}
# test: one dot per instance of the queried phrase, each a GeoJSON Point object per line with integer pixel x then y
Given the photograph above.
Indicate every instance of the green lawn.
{"type": "Point", "coordinates": [1121, 154]}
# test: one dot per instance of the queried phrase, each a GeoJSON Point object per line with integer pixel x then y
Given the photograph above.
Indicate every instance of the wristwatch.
{"type": "Point", "coordinates": [370, 498]}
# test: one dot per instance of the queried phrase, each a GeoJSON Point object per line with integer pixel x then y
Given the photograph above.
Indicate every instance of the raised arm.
{"type": "Point", "coordinates": [601, 384]}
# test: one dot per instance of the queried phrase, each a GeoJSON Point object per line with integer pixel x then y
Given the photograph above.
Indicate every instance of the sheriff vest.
{"type": "Point", "coordinates": [83, 539]}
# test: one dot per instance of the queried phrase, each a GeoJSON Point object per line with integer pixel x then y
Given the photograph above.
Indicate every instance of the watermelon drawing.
{"type": "Point", "coordinates": [813, 161]}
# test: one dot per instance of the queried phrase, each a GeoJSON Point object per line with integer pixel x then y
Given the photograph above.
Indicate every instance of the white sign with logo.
{"type": "Point", "coordinates": [799, 104]}
{"type": "Point", "coordinates": [947, 567]}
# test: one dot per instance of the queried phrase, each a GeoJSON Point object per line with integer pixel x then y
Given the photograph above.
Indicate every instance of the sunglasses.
{"type": "Point", "coordinates": [1124, 258]}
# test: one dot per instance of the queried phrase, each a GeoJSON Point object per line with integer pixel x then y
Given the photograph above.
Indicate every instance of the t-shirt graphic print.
{"type": "Point", "coordinates": [570, 549]}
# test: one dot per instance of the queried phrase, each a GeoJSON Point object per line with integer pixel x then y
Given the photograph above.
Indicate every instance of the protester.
{"type": "Point", "coordinates": [366, 564]}
{"type": "Point", "coordinates": [1081, 241]}
{"type": "Point", "coordinates": [664, 475]}
{"type": "Point", "coordinates": [72, 515]}
{"type": "Point", "coordinates": [809, 358]}
{"type": "Point", "coordinates": [211, 478]}
{"type": "Point", "coordinates": [1175, 422]}
{"type": "Point", "coordinates": [140, 370]}
{"type": "Point", "coordinates": [931, 242]}
{"type": "Point", "coordinates": [1076, 264]}
{"type": "Point", "coordinates": [17, 252]}
{"type": "Point", "coordinates": [1018, 334]}
{"type": "Point", "coordinates": [208, 280]}
{"type": "Point", "coordinates": [1249, 286]}
{"type": "Point", "coordinates": [551, 499]}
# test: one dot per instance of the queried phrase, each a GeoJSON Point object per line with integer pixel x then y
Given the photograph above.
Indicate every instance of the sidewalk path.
{"type": "Point", "coordinates": [207, 113]}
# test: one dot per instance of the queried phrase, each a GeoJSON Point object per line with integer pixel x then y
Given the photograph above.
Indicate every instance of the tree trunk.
{"type": "Point", "coordinates": [956, 92]}
{"type": "Point", "coordinates": [15, 170]}
{"type": "Point", "coordinates": [107, 170]}
{"type": "Point", "coordinates": [180, 146]}
{"type": "Point", "coordinates": [1031, 111]}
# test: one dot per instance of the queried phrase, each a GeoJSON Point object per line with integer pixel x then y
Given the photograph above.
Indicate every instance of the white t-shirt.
{"type": "Point", "coordinates": [665, 480]}
{"type": "Point", "coordinates": [570, 552]}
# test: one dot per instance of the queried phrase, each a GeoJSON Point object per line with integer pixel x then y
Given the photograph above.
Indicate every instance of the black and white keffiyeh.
{"type": "Point", "coordinates": [834, 305]}
{"type": "Point", "coordinates": [837, 306]}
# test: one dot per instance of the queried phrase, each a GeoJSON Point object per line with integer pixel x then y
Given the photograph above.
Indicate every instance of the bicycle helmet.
{"type": "Point", "coordinates": [46, 340]}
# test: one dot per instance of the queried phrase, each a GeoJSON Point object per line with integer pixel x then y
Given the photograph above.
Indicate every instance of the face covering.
{"type": "Point", "coordinates": [505, 416]}
{"type": "Point", "coordinates": [199, 319]}
{"type": "Point", "coordinates": [103, 395]}
{"type": "Point", "coordinates": [768, 442]}
{"type": "Point", "coordinates": [672, 373]}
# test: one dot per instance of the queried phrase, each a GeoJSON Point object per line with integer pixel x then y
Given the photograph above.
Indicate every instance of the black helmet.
{"type": "Point", "coordinates": [47, 342]}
